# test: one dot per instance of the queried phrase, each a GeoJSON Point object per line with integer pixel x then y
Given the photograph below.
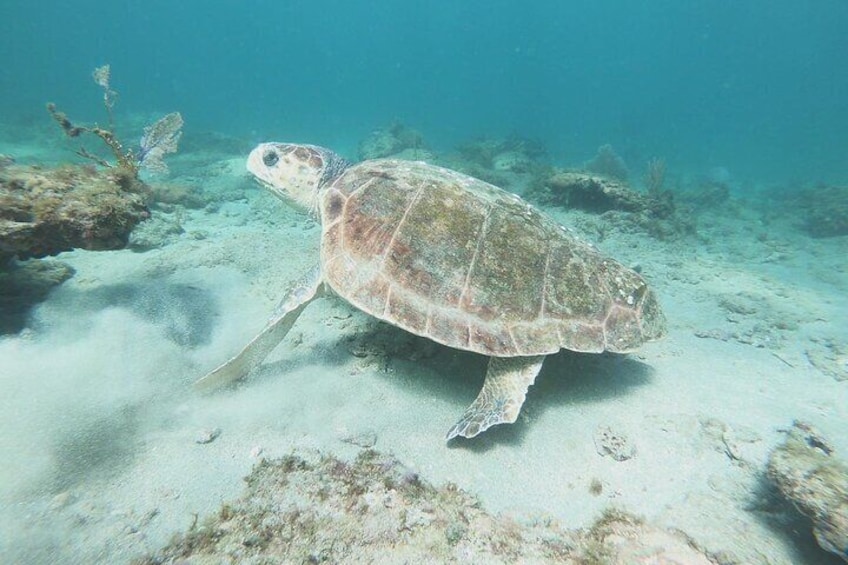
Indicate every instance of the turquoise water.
{"type": "Point", "coordinates": [106, 449]}
{"type": "Point", "coordinates": [757, 87]}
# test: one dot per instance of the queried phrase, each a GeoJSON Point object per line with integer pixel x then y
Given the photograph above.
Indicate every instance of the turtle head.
{"type": "Point", "coordinates": [295, 173]}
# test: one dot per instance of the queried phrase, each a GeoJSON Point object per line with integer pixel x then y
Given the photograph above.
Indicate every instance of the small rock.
{"type": "Point", "coordinates": [831, 358]}
{"type": "Point", "coordinates": [596, 487]}
{"type": "Point", "coordinates": [613, 444]}
{"type": "Point", "coordinates": [366, 439]}
{"type": "Point", "coordinates": [740, 444]}
{"type": "Point", "coordinates": [62, 500]}
{"type": "Point", "coordinates": [208, 435]}
{"type": "Point", "coordinates": [158, 231]}
{"type": "Point", "coordinates": [360, 350]}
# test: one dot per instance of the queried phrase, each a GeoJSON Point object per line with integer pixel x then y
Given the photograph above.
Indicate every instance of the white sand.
{"type": "Point", "coordinates": [99, 422]}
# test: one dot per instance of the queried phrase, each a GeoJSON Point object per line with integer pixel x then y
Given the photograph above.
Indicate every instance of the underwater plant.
{"type": "Point", "coordinates": [608, 163]}
{"type": "Point", "coordinates": [654, 177]}
{"type": "Point", "coordinates": [159, 139]}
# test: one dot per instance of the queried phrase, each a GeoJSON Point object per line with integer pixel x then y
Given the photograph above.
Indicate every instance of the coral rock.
{"type": "Point", "coordinates": [47, 211]}
{"type": "Point", "coordinates": [319, 509]}
{"type": "Point", "coordinates": [594, 193]}
{"type": "Point", "coordinates": [807, 473]}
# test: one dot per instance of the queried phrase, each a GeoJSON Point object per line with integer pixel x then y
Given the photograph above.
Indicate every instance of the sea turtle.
{"type": "Point", "coordinates": [449, 257]}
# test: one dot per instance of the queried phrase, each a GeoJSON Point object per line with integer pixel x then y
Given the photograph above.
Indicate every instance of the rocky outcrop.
{"type": "Point", "coordinates": [46, 211]}
{"type": "Point", "coordinates": [594, 193]}
{"type": "Point", "coordinates": [315, 508]}
{"type": "Point", "coordinates": [807, 472]}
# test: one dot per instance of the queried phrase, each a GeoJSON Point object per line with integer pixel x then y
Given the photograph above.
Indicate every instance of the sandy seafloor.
{"type": "Point", "coordinates": [100, 425]}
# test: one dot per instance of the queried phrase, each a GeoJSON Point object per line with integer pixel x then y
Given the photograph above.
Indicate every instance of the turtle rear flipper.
{"type": "Point", "coordinates": [500, 399]}
{"type": "Point", "coordinates": [308, 288]}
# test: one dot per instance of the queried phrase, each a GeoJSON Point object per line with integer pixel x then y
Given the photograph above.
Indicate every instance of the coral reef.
{"type": "Point", "coordinates": [316, 508]}
{"type": "Point", "coordinates": [46, 211]}
{"type": "Point", "coordinates": [393, 140]}
{"type": "Point", "coordinates": [807, 473]}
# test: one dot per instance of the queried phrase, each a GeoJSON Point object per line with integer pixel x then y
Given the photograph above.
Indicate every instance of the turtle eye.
{"type": "Point", "coordinates": [270, 158]}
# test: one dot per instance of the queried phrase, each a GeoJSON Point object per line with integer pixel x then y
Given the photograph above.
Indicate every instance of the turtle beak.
{"type": "Point", "coordinates": [261, 182]}
{"type": "Point", "coordinates": [254, 163]}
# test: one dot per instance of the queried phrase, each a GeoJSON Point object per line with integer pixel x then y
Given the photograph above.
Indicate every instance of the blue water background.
{"type": "Point", "coordinates": [759, 87]}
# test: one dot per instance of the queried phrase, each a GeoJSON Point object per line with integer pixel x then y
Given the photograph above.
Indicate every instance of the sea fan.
{"type": "Point", "coordinates": [158, 140]}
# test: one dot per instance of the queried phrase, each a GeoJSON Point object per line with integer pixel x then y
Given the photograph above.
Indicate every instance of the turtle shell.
{"type": "Point", "coordinates": [466, 264]}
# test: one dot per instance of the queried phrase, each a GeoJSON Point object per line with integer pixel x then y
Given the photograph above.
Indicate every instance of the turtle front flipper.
{"type": "Point", "coordinates": [503, 393]}
{"type": "Point", "coordinates": [307, 288]}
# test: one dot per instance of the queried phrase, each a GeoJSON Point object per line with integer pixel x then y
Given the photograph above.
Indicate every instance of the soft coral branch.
{"type": "Point", "coordinates": [159, 139]}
